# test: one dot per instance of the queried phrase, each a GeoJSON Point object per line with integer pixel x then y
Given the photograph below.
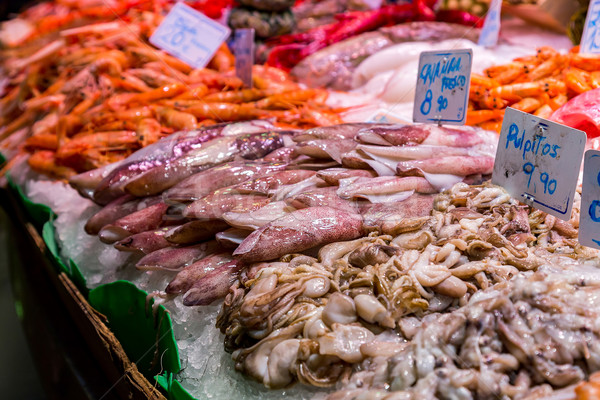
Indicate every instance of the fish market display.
{"type": "Point", "coordinates": [301, 251]}
{"type": "Point", "coordinates": [333, 66]}
{"type": "Point", "coordinates": [288, 50]}
{"type": "Point", "coordinates": [91, 95]}
{"type": "Point", "coordinates": [484, 297]}
{"type": "Point", "coordinates": [230, 184]}
{"type": "Point", "coordinates": [539, 84]}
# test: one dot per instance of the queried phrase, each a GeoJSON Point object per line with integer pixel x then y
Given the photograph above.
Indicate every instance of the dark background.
{"type": "Point", "coordinates": [18, 378]}
{"type": "Point", "coordinates": [8, 7]}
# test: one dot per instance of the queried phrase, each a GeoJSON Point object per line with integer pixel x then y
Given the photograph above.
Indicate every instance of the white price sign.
{"type": "Point", "coordinates": [538, 162]}
{"type": "Point", "coordinates": [590, 40]}
{"type": "Point", "coordinates": [443, 86]}
{"type": "Point", "coordinates": [589, 218]}
{"type": "Point", "coordinates": [189, 35]}
{"type": "Point", "coordinates": [491, 26]}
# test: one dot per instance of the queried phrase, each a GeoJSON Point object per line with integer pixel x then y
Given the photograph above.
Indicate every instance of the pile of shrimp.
{"type": "Point", "coordinates": [76, 97]}
{"type": "Point", "coordinates": [537, 84]}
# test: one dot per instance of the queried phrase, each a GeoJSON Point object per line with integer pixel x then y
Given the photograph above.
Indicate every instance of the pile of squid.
{"type": "Point", "coordinates": [539, 84]}
{"type": "Point", "coordinates": [90, 95]}
{"type": "Point", "coordinates": [483, 298]}
{"type": "Point", "coordinates": [204, 203]}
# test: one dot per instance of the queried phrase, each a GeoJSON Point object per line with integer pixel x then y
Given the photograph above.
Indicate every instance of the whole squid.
{"type": "Point", "coordinates": [384, 188]}
{"type": "Point", "coordinates": [144, 220]}
{"type": "Point", "coordinates": [157, 154]}
{"type": "Point", "coordinates": [176, 258]}
{"type": "Point", "coordinates": [216, 151]}
{"type": "Point", "coordinates": [297, 231]}
{"type": "Point", "coordinates": [203, 183]}
{"type": "Point", "coordinates": [149, 157]}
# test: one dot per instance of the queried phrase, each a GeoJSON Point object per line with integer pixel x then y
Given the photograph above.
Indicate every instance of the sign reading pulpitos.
{"type": "Point", "coordinates": [538, 162]}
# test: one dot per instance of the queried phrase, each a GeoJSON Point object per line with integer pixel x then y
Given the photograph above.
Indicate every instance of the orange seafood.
{"type": "Point", "coordinates": [88, 86]}
{"type": "Point", "coordinates": [537, 84]}
{"type": "Point", "coordinates": [226, 111]}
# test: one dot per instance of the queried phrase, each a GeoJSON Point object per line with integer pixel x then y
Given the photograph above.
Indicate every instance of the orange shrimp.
{"type": "Point", "coordinates": [489, 101]}
{"type": "Point", "coordinates": [319, 117]}
{"type": "Point", "coordinates": [85, 104]}
{"type": "Point", "coordinates": [492, 125]}
{"type": "Point", "coordinates": [483, 81]}
{"type": "Point", "coordinates": [496, 70]}
{"type": "Point", "coordinates": [527, 105]}
{"type": "Point", "coordinates": [214, 79]}
{"type": "Point", "coordinates": [477, 117]}
{"type": "Point", "coordinates": [586, 62]}
{"type": "Point", "coordinates": [226, 111]}
{"type": "Point", "coordinates": [197, 92]}
{"type": "Point", "coordinates": [595, 79]}
{"type": "Point", "coordinates": [25, 119]}
{"type": "Point", "coordinates": [223, 60]}
{"type": "Point", "coordinates": [176, 119]}
{"type": "Point", "coordinates": [92, 150]}
{"type": "Point", "coordinates": [287, 99]}
{"type": "Point", "coordinates": [548, 67]}
{"type": "Point", "coordinates": [545, 111]}
{"type": "Point", "coordinates": [130, 114]}
{"type": "Point", "coordinates": [152, 54]}
{"type": "Point", "coordinates": [237, 96]}
{"type": "Point", "coordinates": [148, 131]}
{"type": "Point", "coordinates": [118, 125]}
{"type": "Point", "coordinates": [44, 162]}
{"type": "Point", "coordinates": [166, 91]}
{"type": "Point", "coordinates": [265, 77]}
{"type": "Point", "coordinates": [129, 82]}
{"type": "Point", "coordinates": [524, 89]}
{"type": "Point", "coordinates": [556, 102]}
{"type": "Point", "coordinates": [577, 80]}
{"type": "Point", "coordinates": [46, 141]}
{"type": "Point", "coordinates": [510, 75]}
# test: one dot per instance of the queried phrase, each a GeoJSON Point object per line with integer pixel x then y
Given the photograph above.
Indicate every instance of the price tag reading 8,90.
{"type": "Point", "coordinates": [189, 35]}
{"type": "Point", "coordinates": [443, 86]}
{"type": "Point", "coordinates": [538, 162]}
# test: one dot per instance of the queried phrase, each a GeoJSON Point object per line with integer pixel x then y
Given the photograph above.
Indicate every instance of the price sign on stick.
{"type": "Point", "coordinates": [589, 219]}
{"type": "Point", "coordinates": [538, 162]}
{"type": "Point", "coordinates": [590, 40]}
{"type": "Point", "coordinates": [243, 47]}
{"type": "Point", "coordinates": [189, 35]}
{"type": "Point", "coordinates": [443, 86]}
{"type": "Point", "coordinates": [491, 26]}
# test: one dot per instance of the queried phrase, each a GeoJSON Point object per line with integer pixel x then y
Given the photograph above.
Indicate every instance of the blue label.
{"type": "Point", "coordinates": [590, 40]}
{"type": "Point", "coordinates": [189, 35]}
{"type": "Point", "coordinates": [443, 86]}
{"type": "Point", "coordinates": [491, 26]}
{"type": "Point", "coordinates": [589, 218]}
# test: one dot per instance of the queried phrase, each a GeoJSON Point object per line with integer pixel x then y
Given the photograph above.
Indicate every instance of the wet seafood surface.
{"type": "Point", "coordinates": [483, 298]}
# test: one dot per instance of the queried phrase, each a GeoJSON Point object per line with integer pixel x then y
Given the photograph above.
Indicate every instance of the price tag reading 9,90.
{"type": "Point", "coordinates": [189, 35]}
{"type": "Point", "coordinates": [538, 162]}
{"type": "Point", "coordinates": [443, 86]}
